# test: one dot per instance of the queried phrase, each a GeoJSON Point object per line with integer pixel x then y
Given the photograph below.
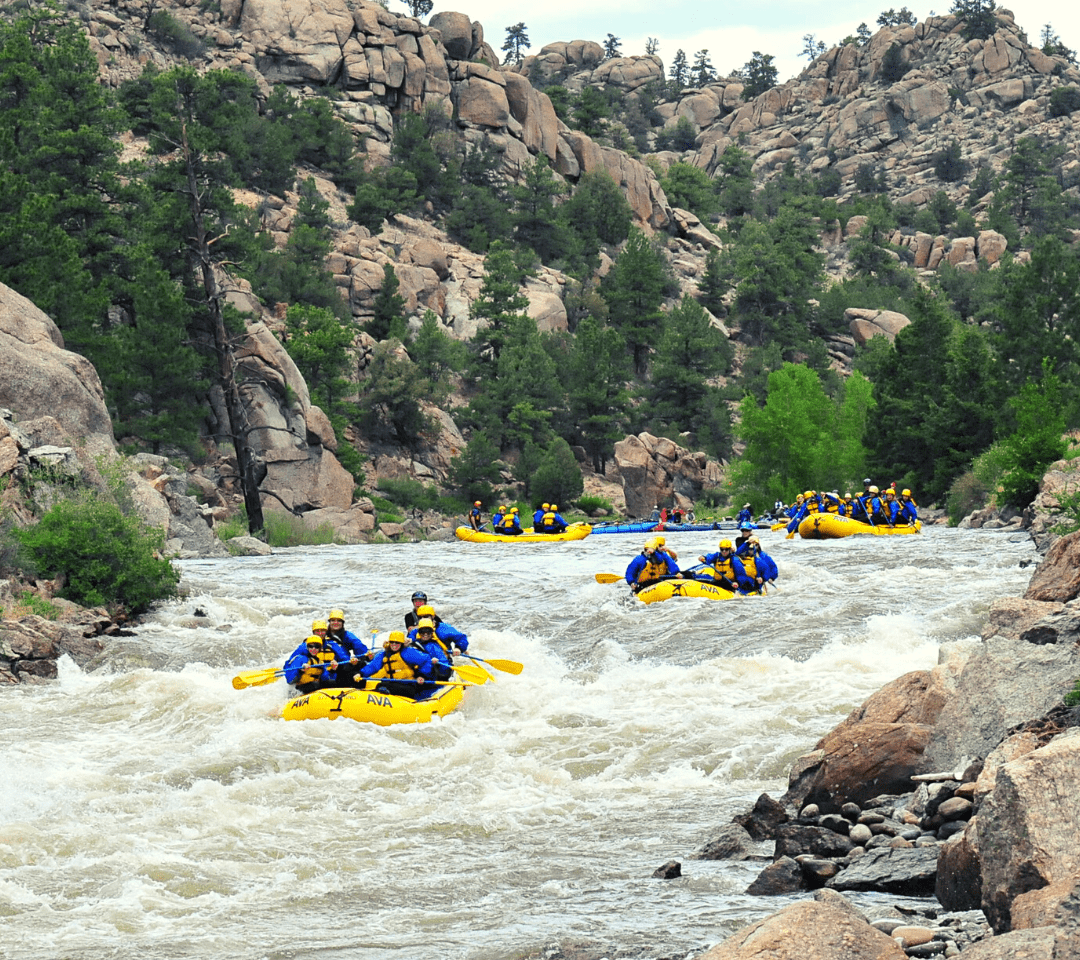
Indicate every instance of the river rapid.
{"type": "Point", "coordinates": [148, 809]}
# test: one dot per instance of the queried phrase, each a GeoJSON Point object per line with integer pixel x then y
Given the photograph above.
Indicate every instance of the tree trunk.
{"type": "Point", "coordinates": [246, 461]}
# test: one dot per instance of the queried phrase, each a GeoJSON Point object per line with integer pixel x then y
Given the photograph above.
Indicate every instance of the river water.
{"type": "Point", "coordinates": [148, 809]}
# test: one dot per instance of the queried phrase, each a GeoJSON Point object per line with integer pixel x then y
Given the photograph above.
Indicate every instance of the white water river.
{"type": "Point", "coordinates": [148, 809]}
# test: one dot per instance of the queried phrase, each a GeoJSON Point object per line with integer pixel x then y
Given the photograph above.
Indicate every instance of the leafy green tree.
{"type": "Point", "coordinates": [690, 188]}
{"type": "Point", "coordinates": [611, 47]}
{"type": "Point", "coordinates": [597, 371]}
{"type": "Point", "coordinates": [702, 73]}
{"type": "Point", "coordinates": [1037, 440]}
{"type": "Point", "coordinates": [389, 317]}
{"type": "Point", "coordinates": [634, 291]}
{"type": "Point", "coordinates": [979, 17]}
{"type": "Point", "coordinates": [800, 437]}
{"type": "Point", "coordinates": [759, 74]}
{"type": "Point", "coordinates": [558, 477]}
{"type": "Point", "coordinates": [517, 42]}
{"type": "Point", "coordinates": [103, 557]}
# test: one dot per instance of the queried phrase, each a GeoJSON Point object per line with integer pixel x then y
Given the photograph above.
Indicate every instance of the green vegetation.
{"type": "Point", "coordinates": [103, 557]}
{"type": "Point", "coordinates": [28, 603]}
{"type": "Point", "coordinates": [1072, 698]}
{"type": "Point", "coordinates": [285, 530]}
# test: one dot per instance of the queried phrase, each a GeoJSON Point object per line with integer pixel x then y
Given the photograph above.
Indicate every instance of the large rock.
{"type": "Point", "coordinates": [808, 931]}
{"type": "Point", "coordinates": [865, 324]}
{"type": "Point", "coordinates": [1003, 683]}
{"type": "Point", "coordinates": [297, 40]}
{"type": "Point", "coordinates": [910, 871]}
{"type": "Point", "coordinates": [39, 378]}
{"type": "Point", "coordinates": [1057, 578]}
{"type": "Point", "coordinates": [1030, 826]}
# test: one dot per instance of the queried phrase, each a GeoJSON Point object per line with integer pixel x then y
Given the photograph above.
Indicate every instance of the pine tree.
{"type": "Point", "coordinates": [702, 73]}
{"type": "Point", "coordinates": [679, 73]}
{"type": "Point", "coordinates": [517, 42]}
{"type": "Point", "coordinates": [597, 396]}
{"type": "Point", "coordinates": [389, 318]}
{"type": "Point", "coordinates": [634, 291]}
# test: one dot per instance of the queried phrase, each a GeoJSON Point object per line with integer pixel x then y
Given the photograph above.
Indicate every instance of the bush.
{"type": "Point", "coordinates": [892, 64]}
{"type": "Point", "coordinates": [1064, 100]}
{"type": "Point", "coordinates": [413, 495]}
{"type": "Point", "coordinates": [558, 478]}
{"type": "Point", "coordinates": [949, 163]}
{"type": "Point", "coordinates": [1072, 698]}
{"type": "Point", "coordinates": [175, 34]}
{"type": "Point", "coordinates": [590, 504]}
{"type": "Point", "coordinates": [104, 557]}
{"type": "Point", "coordinates": [966, 495]}
{"type": "Point", "coordinates": [285, 530]}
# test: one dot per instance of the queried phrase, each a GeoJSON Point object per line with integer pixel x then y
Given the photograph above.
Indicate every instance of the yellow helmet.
{"type": "Point", "coordinates": [476, 503]}
{"type": "Point", "coordinates": [874, 490]}
{"type": "Point", "coordinates": [660, 541]}
{"type": "Point", "coordinates": [808, 494]}
{"type": "Point", "coordinates": [513, 509]}
{"type": "Point", "coordinates": [651, 544]}
{"type": "Point", "coordinates": [726, 545]}
{"type": "Point", "coordinates": [425, 624]}
{"type": "Point", "coordinates": [336, 615]}
{"type": "Point", "coordinates": [554, 508]}
{"type": "Point", "coordinates": [314, 641]}
{"type": "Point", "coordinates": [545, 506]}
{"type": "Point", "coordinates": [396, 636]}
{"type": "Point", "coordinates": [319, 625]}
{"type": "Point", "coordinates": [426, 610]}
{"type": "Point", "coordinates": [890, 492]}
{"type": "Point", "coordinates": [906, 493]}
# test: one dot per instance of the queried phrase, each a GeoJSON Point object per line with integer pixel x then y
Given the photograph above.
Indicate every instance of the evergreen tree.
{"type": "Point", "coordinates": [863, 34]}
{"type": "Point", "coordinates": [979, 18]}
{"type": "Point", "coordinates": [690, 352]}
{"type": "Point", "coordinates": [319, 345]}
{"type": "Point", "coordinates": [500, 301]}
{"type": "Point", "coordinates": [597, 370]}
{"type": "Point", "coordinates": [517, 42]}
{"type": "Point", "coordinates": [759, 74]}
{"type": "Point", "coordinates": [702, 72]}
{"type": "Point", "coordinates": [390, 398]}
{"type": "Point", "coordinates": [690, 188]}
{"type": "Point", "coordinates": [389, 317]}
{"type": "Point", "coordinates": [679, 73]}
{"type": "Point", "coordinates": [476, 468]}
{"type": "Point", "coordinates": [611, 47]}
{"type": "Point", "coordinates": [558, 478]}
{"type": "Point", "coordinates": [652, 45]}
{"type": "Point", "coordinates": [712, 287]}
{"type": "Point", "coordinates": [419, 8]}
{"type": "Point", "coordinates": [894, 18]}
{"type": "Point", "coordinates": [812, 47]}
{"type": "Point", "coordinates": [598, 213]}
{"type": "Point", "coordinates": [591, 112]}
{"type": "Point", "coordinates": [893, 66]}
{"type": "Point", "coordinates": [436, 355]}
{"type": "Point", "coordinates": [536, 224]}
{"type": "Point", "coordinates": [634, 291]}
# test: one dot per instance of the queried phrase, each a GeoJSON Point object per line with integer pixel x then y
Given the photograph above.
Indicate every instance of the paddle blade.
{"type": "Point", "coordinates": [608, 578]}
{"type": "Point", "coordinates": [507, 666]}
{"type": "Point", "coordinates": [255, 678]}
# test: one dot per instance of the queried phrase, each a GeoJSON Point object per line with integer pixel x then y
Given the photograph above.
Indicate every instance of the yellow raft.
{"type": "Point", "coordinates": [576, 531]}
{"type": "Point", "coordinates": [829, 526]}
{"type": "Point", "coordinates": [666, 589]}
{"type": "Point", "coordinates": [370, 706]}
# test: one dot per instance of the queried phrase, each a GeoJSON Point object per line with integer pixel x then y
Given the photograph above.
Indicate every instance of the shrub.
{"type": "Point", "coordinates": [27, 603]}
{"type": "Point", "coordinates": [590, 504]}
{"type": "Point", "coordinates": [558, 478]}
{"type": "Point", "coordinates": [1072, 698]}
{"type": "Point", "coordinates": [175, 34]}
{"type": "Point", "coordinates": [413, 495]}
{"type": "Point", "coordinates": [285, 530]}
{"type": "Point", "coordinates": [949, 163]}
{"type": "Point", "coordinates": [1064, 100]}
{"type": "Point", "coordinates": [966, 495]}
{"type": "Point", "coordinates": [104, 557]}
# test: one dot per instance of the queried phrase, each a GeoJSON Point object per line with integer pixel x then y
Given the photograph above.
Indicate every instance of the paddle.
{"type": "Point", "coordinates": [507, 666]}
{"type": "Point", "coordinates": [260, 678]}
{"type": "Point", "coordinates": [608, 578]}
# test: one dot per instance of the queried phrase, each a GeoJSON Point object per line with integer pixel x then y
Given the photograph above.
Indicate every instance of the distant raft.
{"type": "Point", "coordinates": [383, 709]}
{"type": "Point", "coordinates": [576, 531]}
{"type": "Point", "coordinates": [829, 526]}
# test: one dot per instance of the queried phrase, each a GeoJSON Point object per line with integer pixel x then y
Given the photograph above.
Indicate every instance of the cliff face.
{"type": "Point", "coordinates": [375, 66]}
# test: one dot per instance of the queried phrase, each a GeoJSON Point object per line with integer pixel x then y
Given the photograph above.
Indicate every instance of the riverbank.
{"type": "Point", "coordinates": [958, 782]}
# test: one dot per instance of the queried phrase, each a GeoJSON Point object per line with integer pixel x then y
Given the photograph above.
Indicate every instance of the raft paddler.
{"type": "Point", "coordinates": [451, 639]}
{"type": "Point", "coordinates": [509, 525]}
{"type": "Point", "coordinates": [909, 512]}
{"type": "Point", "coordinates": [552, 522]}
{"type": "Point", "coordinates": [744, 515]}
{"type": "Point", "coordinates": [313, 664]}
{"type": "Point", "coordinates": [355, 649]}
{"type": "Point", "coordinates": [746, 531]}
{"type": "Point", "coordinates": [419, 599]}
{"type": "Point", "coordinates": [476, 518]}
{"type": "Point", "coordinates": [652, 564]}
{"type": "Point", "coordinates": [401, 670]}
{"type": "Point", "coordinates": [729, 570]}
{"type": "Point", "coordinates": [423, 638]}
{"type": "Point", "coordinates": [759, 566]}
{"type": "Point", "coordinates": [538, 517]}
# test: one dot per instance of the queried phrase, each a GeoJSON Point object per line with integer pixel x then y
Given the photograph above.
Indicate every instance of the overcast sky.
{"type": "Point", "coordinates": [730, 31]}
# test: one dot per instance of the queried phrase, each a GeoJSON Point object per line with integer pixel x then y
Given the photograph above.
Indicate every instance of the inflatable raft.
{"type": "Point", "coordinates": [666, 589]}
{"type": "Point", "coordinates": [576, 531]}
{"type": "Point", "coordinates": [828, 526]}
{"type": "Point", "coordinates": [370, 706]}
{"type": "Point", "coordinates": [643, 526]}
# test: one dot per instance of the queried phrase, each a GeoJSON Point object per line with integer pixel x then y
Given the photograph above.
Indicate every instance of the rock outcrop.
{"type": "Point", "coordinates": [655, 470]}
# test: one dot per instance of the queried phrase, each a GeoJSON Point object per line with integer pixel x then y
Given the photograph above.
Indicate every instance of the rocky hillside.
{"type": "Point", "coordinates": [374, 65]}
